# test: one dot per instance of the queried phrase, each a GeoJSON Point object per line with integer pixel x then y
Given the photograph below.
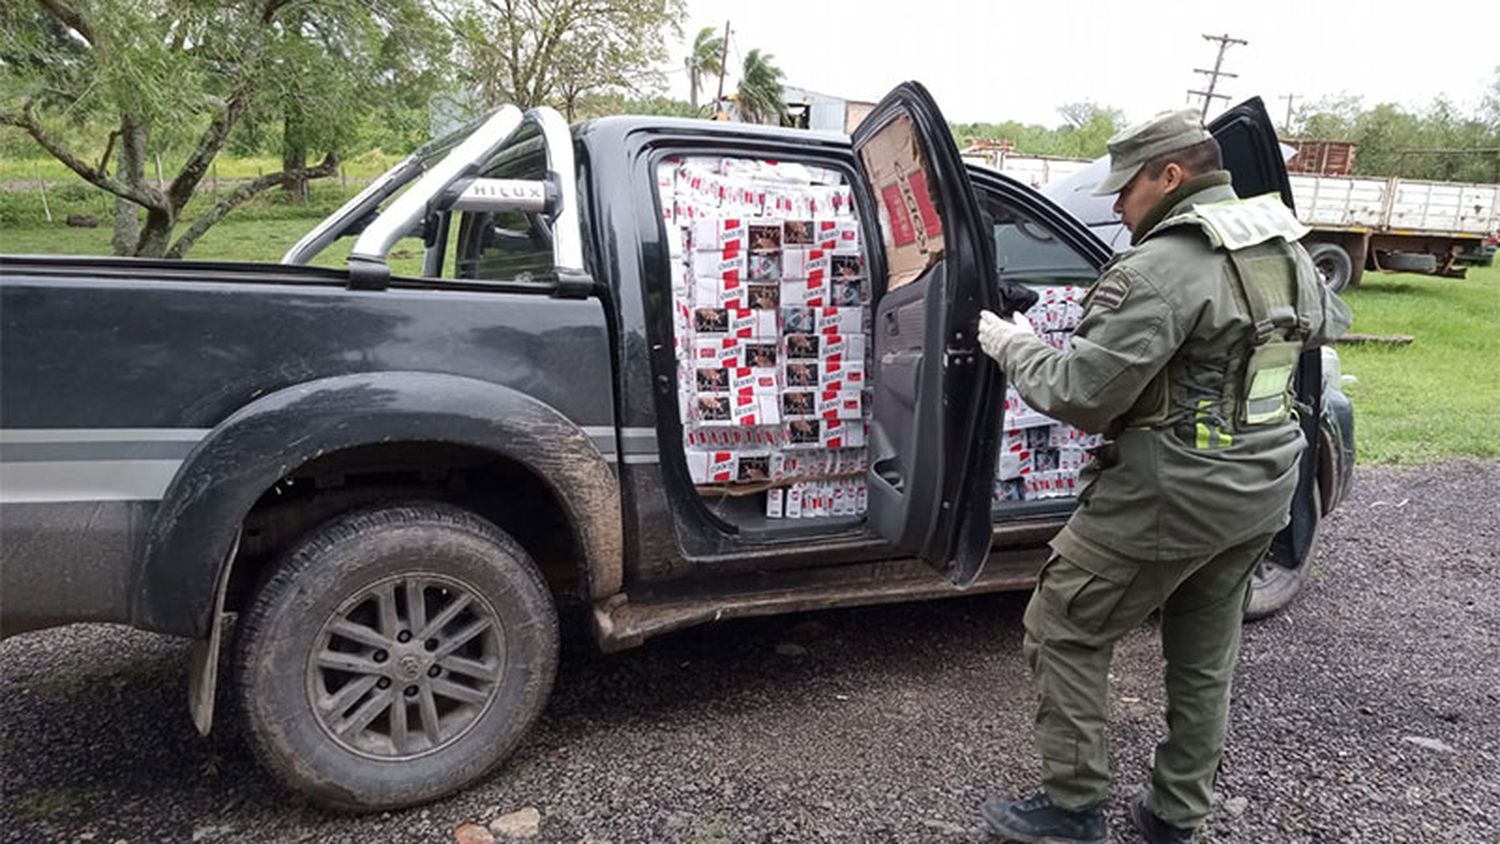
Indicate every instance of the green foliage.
{"type": "Point", "coordinates": [1394, 141]}
{"type": "Point", "coordinates": [705, 59]}
{"type": "Point", "coordinates": [1435, 398]}
{"type": "Point", "coordinates": [1086, 126]}
{"type": "Point", "coordinates": [556, 52]}
{"type": "Point", "coordinates": [758, 97]}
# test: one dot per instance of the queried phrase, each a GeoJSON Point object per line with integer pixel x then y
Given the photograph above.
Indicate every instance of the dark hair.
{"type": "Point", "coordinates": [1202, 157]}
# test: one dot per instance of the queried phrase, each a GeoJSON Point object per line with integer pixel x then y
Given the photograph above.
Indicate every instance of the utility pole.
{"type": "Point", "coordinates": [1287, 126]}
{"type": "Point", "coordinates": [723, 62]}
{"type": "Point", "coordinates": [1213, 75]}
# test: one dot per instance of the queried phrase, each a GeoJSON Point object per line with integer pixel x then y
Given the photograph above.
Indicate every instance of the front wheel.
{"type": "Point", "coordinates": [396, 654]}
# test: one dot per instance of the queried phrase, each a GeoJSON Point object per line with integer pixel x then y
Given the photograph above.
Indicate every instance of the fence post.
{"type": "Point", "coordinates": [46, 209]}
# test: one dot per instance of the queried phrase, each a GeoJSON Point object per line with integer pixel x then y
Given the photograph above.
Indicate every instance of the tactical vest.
{"type": "Point", "coordinates": [1209, 400]}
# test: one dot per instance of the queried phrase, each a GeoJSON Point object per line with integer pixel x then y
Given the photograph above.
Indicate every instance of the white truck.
{"type": "Point", "coordinates": [1405, 225]}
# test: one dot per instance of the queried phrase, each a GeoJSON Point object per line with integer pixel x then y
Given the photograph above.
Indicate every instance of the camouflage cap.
{"type": "Point", "coordinates": [1130, 148]}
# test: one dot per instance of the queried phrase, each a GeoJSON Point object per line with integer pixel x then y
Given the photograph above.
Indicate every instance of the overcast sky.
{"type": "Point", "coordinates": [1013, 60]}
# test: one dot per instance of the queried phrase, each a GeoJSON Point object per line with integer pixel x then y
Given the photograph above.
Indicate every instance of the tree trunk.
{"type": "Point", "coordinates": [130, 168]}
{"type": "Point", "coordinates": [157, 235]}
{"type": "Point", "coordinates": [693, 90]}
{"type": "Point", "coordinates": [293, 159]}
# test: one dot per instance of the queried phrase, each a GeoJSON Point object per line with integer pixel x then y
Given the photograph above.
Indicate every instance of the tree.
{"type": "Point", "coordinates": [704, 59]}
{"type": "Point", "coordinates": [176, 75]}
{"type": "Point", "coordinates": [554, 52]}
{"type": "Point", "coordinates": [759, 96]}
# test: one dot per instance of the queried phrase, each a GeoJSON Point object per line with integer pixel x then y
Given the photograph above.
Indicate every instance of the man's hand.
{"type": "Point", "coordinates": [995, 332]}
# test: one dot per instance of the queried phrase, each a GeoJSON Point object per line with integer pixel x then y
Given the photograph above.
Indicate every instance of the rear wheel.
{"type": "Point", "coordinates": [1333, 263]}
{"type": "Point", "coordinates": [396, 654]}
{"type": "Point", "coordinates": [1276, 582]}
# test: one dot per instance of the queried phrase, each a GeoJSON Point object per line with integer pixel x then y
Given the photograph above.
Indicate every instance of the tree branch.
{"type": "Point", "coordinates": [140, 194]}
{"type": "Point", "coordinates": [239, 195]}
{"type": "Point", "coordinates": [71, 17]}
{"type": "Point", "coordinates": [185, 183]}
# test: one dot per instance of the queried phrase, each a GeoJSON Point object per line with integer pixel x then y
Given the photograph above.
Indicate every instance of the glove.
{"type": "Point", "coordinates": [995, 332]}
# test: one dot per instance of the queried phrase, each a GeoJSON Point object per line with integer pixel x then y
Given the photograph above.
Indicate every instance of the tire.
{"type": "Point", "coordinates": [316, 656]}
{"type": "Point", "coordinates": [1334, 265]}
{"type": "Point", "coordinates": [1409, 262]}
{"type": "Point", "coordinates": [1274, 584]}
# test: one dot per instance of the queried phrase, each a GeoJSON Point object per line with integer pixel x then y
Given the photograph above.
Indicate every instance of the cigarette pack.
{"type": "Point", "coordinates": [807, 263]}
{"type": "Point", "coordinates": [712, 467]}
{"type": "Point", "coordinates": [711, 380]}
{"type": "Point", "coordinates": [722, 234]}
{"type": "Point", "coordinates": [842, 374]}
{"type": "Point", "coordinates": [753, 323]}
{"type": "Point", "coordinates": [764, 266]}
{"type": "Point", "coordinates": [847, 265]}
{"type": "Point", "coordinates": [758, 354]}
{"type": "Point", "coordinates": [717, 292]}
{"type": "Point", "coordinates": [716, 350]}
{"type": "Point", "coordinates": [813, 292]}
{"type": "Point", "coordinates": [839, 320]}
{"type": "Point", "coordinates": [794, 501]}
{"type": "Point", "coordinates": [717, 263]}
{"type": "Point", "coordinates": [848, 348]}
{"type": "Point", "coordinates": [799, 404]}
{"type": "Point", "coordinates": [754, 467]}
{"type": "Point", "coordinates": [764, 235]}
{"type": "Point", "coordinates": [836, 234]}
{"type": "Point", "coordinates": [797, 233]}
{"type": "Point", "coordinates": [1018, 414]}
{"type": "Point", "coordinates": [753, 411]}
{"type": "Point", "coordinates": [752, 381]}
{"type": "Point", "coordinates": [841, 404]}
{"type": "Point", "coordinates": [1070, 458]}
{"type": "Point", "coordinates": [775, 503]}
{"type": "Point", "coordinates": [1014, 464]}
{"type": "Point", "coordinates": [843, 434]}
{"type": "Point", "coordinates": [675, 245]}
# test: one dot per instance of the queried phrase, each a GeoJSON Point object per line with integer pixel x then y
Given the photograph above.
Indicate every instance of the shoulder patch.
{"type": "Point", "coordinates": [1110, 291]}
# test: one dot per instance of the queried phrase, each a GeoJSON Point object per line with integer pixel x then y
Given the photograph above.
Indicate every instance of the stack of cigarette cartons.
{"type": "Point", "coordinates": [1040, 458]}
{"type": "Point", "coordinates": [770, 305]}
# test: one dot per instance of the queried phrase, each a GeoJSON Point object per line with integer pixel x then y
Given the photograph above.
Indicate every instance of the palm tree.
{"type": "Point", "coordinates": [759, 95]}
{"type": "Point", "coordinates": [705, 59]}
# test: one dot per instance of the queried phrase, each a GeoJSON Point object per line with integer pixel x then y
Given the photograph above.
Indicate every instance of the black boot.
{"type": "Point", "coordinates": [1036, 821]}
{"type": "Point", "coordinates": [1154, 829]}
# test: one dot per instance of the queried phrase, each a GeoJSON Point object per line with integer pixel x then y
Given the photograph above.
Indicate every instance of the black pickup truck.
{"type": "Point", "coordinates": [384, 484]}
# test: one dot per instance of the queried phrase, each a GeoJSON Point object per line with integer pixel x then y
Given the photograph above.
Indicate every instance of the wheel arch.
{"type": "Point", "coordinates": [183, 562]}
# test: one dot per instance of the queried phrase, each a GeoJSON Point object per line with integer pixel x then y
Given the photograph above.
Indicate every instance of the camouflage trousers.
{"type": "Point", "coordinates": [1077, 613]}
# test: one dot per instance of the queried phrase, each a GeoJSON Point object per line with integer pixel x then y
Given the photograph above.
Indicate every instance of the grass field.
{"type": "Point", "coordinates": [1438, 397]}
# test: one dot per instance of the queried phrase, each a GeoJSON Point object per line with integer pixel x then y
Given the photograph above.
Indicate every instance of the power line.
{"type": "Point", "coordinates": [1213, 75]}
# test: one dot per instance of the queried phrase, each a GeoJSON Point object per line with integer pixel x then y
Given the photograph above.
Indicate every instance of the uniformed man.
{"type": "Point", "coordinates": [1184, 360]}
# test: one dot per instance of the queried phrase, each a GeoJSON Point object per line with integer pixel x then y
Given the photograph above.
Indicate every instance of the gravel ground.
{"type": "Point", "coordinates": [1368, 712]}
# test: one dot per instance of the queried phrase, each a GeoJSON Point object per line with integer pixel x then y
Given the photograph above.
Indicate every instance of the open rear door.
{"type": "Point", "coordinates": [1253, 155]}
{"type": "Point", "coordinates": [938, 400]}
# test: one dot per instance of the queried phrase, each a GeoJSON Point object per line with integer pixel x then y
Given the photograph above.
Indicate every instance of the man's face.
{"type": "Point", "coordinates": [1142, 193]}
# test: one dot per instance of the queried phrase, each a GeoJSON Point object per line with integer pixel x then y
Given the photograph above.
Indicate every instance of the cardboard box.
{"type": "Point", "coordinates": [718, 235]}
{"type": "Point", "coordinates": [712, 467]}
{"type": "Point", "coordinates": [902, 184]}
